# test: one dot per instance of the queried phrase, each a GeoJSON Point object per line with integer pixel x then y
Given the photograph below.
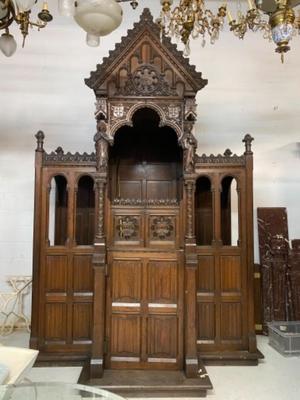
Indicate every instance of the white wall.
{"type": "Point", "coordinates": [41, 87]}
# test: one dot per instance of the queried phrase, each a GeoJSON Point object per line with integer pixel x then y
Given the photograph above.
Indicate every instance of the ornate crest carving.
{"type": "Point", "coordinates": [162, 227]}
{"type": "Point", "coordinates": [118, 111]}
{"type": "Point", "coordinates": [147, 81]}
{"type": "Point", "coordinates": [127, 227]}
{"type": "Point", "coordinates": [174, 111]}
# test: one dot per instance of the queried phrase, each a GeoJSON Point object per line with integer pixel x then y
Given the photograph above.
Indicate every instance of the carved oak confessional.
{"type": "Point", "coordinates": [136, 265]}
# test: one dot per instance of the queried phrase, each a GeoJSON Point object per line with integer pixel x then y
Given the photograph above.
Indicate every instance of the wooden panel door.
{"type": "Point", "coordinates": [144, 311]}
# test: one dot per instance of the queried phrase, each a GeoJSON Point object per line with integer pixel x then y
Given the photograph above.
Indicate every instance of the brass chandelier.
{"type": "Point", "coordinates": [276, 20]}
{"type": "Point", "coordinates": [185, 20]}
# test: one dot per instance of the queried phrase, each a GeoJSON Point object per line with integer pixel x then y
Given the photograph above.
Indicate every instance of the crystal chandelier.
{"type": "Point", "coordinates": [96, 17]}
{"type": "Point", "coordinates": [190, 19]}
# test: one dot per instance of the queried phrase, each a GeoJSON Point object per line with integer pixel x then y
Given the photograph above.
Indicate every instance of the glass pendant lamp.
{"type": "Point", "coordinates": [25, 5]}
{"type": "Point", "coordinates": [98, 17]}
{"type": "Point", "coordinates": [66, 7]}
{"type": "Point", "coordinates": [8, 45]}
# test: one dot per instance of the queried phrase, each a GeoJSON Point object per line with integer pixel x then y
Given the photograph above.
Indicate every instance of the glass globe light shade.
{"type": "Point", "coordinates": [66, 7]}
{"type": "Point", "coordinates": [25, 5]}
{"type": "Point", "coordinates": [98, 17]}
{"type": "Point", "coordinates": [92, 40]}
{"type": "Point", "coordinates": [282, 33]}
{"type": "Point", "coordinates": [8, 45]}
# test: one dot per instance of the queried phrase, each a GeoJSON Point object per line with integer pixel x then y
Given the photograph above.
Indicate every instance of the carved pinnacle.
{"type": "Point", "coordinates": [248, 139]}
{"type": "Point", "coordinates": [40, 140]}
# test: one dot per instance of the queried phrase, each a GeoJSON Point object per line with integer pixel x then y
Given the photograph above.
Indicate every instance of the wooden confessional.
{"type": "Point", "coordinates": [136, 262]}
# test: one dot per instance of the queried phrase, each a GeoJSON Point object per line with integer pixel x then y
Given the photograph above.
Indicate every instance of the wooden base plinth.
{"type": "Point", "coordinates": [152, 383]}
{"type": "Point", "coordinates": [234, 358]}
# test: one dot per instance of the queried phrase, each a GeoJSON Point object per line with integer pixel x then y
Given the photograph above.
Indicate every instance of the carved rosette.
{"type": "Point", "coordinates": [127, 227]}
{"type": "Point", "coordinates": [162, 228]}
{"type": "Point", "coordinates": [146, 81]}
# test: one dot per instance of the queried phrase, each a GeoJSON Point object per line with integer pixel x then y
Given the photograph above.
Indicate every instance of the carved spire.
{"type": "Point", "coordinates": [248, 139]}
{"type": "Point", "coordinates": [40, 141]}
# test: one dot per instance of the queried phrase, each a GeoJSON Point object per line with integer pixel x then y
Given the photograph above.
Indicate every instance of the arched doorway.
{"type": "Point", "coordinates": [145, 283]}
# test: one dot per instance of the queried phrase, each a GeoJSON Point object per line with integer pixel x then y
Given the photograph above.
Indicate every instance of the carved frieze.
{"type": "Point", "coordinates": [162, 227]}
{"type": "Point", "coordinates": [227, 158]}
{"type": "Point", "coordinates": [127, 227]}
{"type": "Point", "coordinates": [68, 158]}
{"type": "Point", "coordinates": [145, 202]}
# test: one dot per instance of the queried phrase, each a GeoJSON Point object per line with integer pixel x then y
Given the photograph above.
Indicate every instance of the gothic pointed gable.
{"type": "Point", "coordinates": [144, 65]}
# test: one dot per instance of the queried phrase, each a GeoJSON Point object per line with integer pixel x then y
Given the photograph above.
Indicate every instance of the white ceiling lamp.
{"type": "Point", "coordinates": [97, 18]}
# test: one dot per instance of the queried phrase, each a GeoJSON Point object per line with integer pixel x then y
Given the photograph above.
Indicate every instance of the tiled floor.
{"type": "Point", "coordinates": [275, 378]}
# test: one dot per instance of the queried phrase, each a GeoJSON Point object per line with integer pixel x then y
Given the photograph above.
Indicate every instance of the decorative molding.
{"type": "Point", "coordinates": [146, 202]}
{"type": "Point", "coordinates": [162, 227]}
{"type": "Point", "coordinates": [227, 158]}
{"type": "Point", "coordinates": [59, 157]}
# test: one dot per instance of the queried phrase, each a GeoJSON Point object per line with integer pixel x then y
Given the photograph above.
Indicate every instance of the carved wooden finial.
{"type": "Point", "coordinates": [40, 140]}
{"type": "Point", "coordinates": [59, 150]}
{"type": "Point", "coordinates": [248, 139]}
{"type": "Point", "coordinates": [227, 153]}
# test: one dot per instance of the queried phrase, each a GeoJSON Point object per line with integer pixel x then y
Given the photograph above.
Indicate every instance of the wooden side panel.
{"type": "Point", "coordinates": [162, 282]}
{"type": "Point", "coordinates": [206, 323]}
{"type": "Point", "coordinates": [230, 272]}
{"type": "Point", "coordinates": [56, 273]}
{"type": "Point", "coordinates": [162, 338]}
{"type": "Point", "coordinates": [206, 308]}
{"type": "Point", "coordinates": [56, 322]}
{"type": "Point", "coordinates": [231, 322]}
{"type": "Point", "coordinates": [126, 337]}
{"type": "Point", "coordinates": [206, 274]}
{"type": "Point", "coordinates": [231, 306]}
{"type": "Point", "coordinates": [126, 281]}
{"type": "Point", "coordinates": [82, 273]}
{"type": "Point", "coordinates": [82, 322]}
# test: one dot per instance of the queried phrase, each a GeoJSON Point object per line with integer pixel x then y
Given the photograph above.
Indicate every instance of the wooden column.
{"type": "Point", "coordinates": [249, 241]}
{"type": "Point", "coordinates": [191, 264]}
{"type": "Point", "coordinates": [36, 240]}
{"type": "Point", "coordinates": [99, 257]}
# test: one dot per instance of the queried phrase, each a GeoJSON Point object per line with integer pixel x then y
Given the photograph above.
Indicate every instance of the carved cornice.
{"type": "Point", "coordinates": [59, 157]}
{"type": "Point", "coordinates": [146, 202]}
{"type": "Point", "coordinates": [227, 158]}
{"type": "Point", "coordinates": [146, 24]}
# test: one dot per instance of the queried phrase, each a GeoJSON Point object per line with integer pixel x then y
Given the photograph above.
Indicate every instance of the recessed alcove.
{"type": "Point", "coordinates": [203, 212]}
{"type": "Point", "coordinates": [85, 211]}
{"type": "Point", "coordinates": [229, 211]}
{"type": "Point", "coordinates": [58, 211]}
{"type": "Point", "coordinates": [145, 160]}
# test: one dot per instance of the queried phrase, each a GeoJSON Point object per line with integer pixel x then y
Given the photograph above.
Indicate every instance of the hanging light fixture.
{"type": "Point", "coordinates": [96, 17]}
{"type": "Point", "coordinates": [19, 11]}
{"type": "Point", "coordinates": [190, 19]}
